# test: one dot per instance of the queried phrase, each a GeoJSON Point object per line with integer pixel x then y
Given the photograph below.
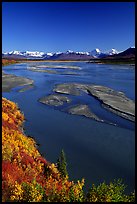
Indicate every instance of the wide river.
{"type": "Point", "coordinates": [94, 150]}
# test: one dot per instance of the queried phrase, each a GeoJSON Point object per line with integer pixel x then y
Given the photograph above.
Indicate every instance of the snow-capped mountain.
{"type": "Point", "coordinates": [69, 51]}
{"type": "Point", "coordinates": [70, 55]}
{"type": "Point", "coordinates": [34, 54]}
{"type": "Point", "coordinates": [96, 53]}
{"type": "Point", "coordinates": [15, 53]}
{"type": "Point", "coordinates": [27, 54]}
{"type": "Point", "coordinates": [129, 53]}
{"type": "Point", "coordinates": [83, 53]}
{"type": "Point", "coordinates": [58, 53]}
{"type": "Point", "coordinates": [113, 52]}
{"type": "Point", "coordinates": [49, 54]}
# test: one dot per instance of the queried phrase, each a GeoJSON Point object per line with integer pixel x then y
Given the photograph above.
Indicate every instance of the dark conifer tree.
{"type": "Point", "coordinates": [62, 164]}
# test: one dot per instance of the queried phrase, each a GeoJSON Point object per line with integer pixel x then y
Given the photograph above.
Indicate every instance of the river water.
{"type": "Point", "coordinates": [95, 151]}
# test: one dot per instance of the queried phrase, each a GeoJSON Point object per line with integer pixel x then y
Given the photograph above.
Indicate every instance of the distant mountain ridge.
{"type": "Point", "coordinates": [97, 53]}
{"type": "Point", "coordinates": [129, 53]}
{"type": "Point", "coordinates": [69, 55]}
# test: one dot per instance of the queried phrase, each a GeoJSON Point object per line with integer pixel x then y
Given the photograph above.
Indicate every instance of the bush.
{"type": "Point", "coordinates": [113, 192]}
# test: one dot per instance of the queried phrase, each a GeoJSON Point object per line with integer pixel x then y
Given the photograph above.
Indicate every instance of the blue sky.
{"type": "Point", "coordinates": [62, 26]}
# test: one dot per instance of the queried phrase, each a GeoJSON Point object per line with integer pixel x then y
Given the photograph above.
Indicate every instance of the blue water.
{"type": "Point", "coordinates": [94, 150]}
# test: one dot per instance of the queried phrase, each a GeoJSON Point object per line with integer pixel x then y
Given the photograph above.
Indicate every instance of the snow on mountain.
{"type": "Point", "coordinates": [58, 53]}
{"type": "Point", "coordinates": [69, 51]}
{"type": "Point", "coordinates": [83, 53]}
{"type": "Point", "coordinates": [97, 50]}
{"type": "Point", "coordinates": [15, 53]}
{"type": "Point", "coordinates": [34, 54]}
{"type": "Point", "coordinates": [95, 53]}
{"type": "Point", "coordinates": [49, 54]}
{"type": "Point", "coordinates": [113, 51]}
{"type": "Point", "coordinates": [26, 53]}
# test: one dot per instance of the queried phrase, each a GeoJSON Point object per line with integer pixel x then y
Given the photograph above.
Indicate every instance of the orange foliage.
{"type": "Point", "coordinates": [26, 175]}
{"type": "Point", "coordinates": [7, 62]}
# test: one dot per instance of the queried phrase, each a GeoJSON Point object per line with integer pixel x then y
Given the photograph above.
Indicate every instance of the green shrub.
{"type": "Point", "coordinates": [114, 192]}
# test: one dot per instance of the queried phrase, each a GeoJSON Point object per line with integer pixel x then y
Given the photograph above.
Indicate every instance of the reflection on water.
{"type": "Point", "coordinates": [94, 150]}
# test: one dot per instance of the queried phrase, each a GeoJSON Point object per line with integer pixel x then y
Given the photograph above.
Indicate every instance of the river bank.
{"type": "Point", "coordinates": [29, 177]}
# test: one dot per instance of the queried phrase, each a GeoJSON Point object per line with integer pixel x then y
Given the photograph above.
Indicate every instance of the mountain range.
{"type": "Point", "coordinates": [69, 55]}
{"type": "Point", "coordinates": [129, 53]}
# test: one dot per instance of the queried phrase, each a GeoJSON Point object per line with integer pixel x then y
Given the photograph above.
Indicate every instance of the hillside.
{"type": "Point", "coordinates": [28, 177]}
{"type": "Point", "coordinates": [129, 53]}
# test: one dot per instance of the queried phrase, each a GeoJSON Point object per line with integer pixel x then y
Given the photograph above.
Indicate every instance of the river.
{"type": "Point", "coordinates": [94, 150]}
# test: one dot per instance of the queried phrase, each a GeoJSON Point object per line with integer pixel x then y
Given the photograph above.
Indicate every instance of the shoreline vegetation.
{"type": "Point", "coordinates": [97, 61]}
{"type": "Point", "coordinates": [8, 62]}
{"type": "Point", "coordinates": [130, 61]}
{"type": "Point", "coordinates": [28, 177]}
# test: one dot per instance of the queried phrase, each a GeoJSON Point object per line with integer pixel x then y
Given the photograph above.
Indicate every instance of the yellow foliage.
{"type": "Point", "coordinates": [17, 192]}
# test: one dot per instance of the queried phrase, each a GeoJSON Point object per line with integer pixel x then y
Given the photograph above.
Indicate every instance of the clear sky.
{"type": "Point", "coordinates": [62, 26]}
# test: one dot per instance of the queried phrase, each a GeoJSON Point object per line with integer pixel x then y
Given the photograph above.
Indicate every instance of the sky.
{"type": "Point", "coordinates": [62, 26]}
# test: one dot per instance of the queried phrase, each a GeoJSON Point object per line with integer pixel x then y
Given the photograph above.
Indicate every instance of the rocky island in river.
{"type": "Point", "coordinates": [10, 81]}
{"type": "Point", "coordinates": [114, 101]}
{"type": "Point", "coordinates": [83, 110]}
{"type": "Point", "coordinates": [55, 100]}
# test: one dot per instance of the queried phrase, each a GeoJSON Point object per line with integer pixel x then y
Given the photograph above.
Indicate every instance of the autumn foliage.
{"type": "Point", "coordinates": [28, 177]}
{"type": "Point", "coordinates": [8, 61]}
